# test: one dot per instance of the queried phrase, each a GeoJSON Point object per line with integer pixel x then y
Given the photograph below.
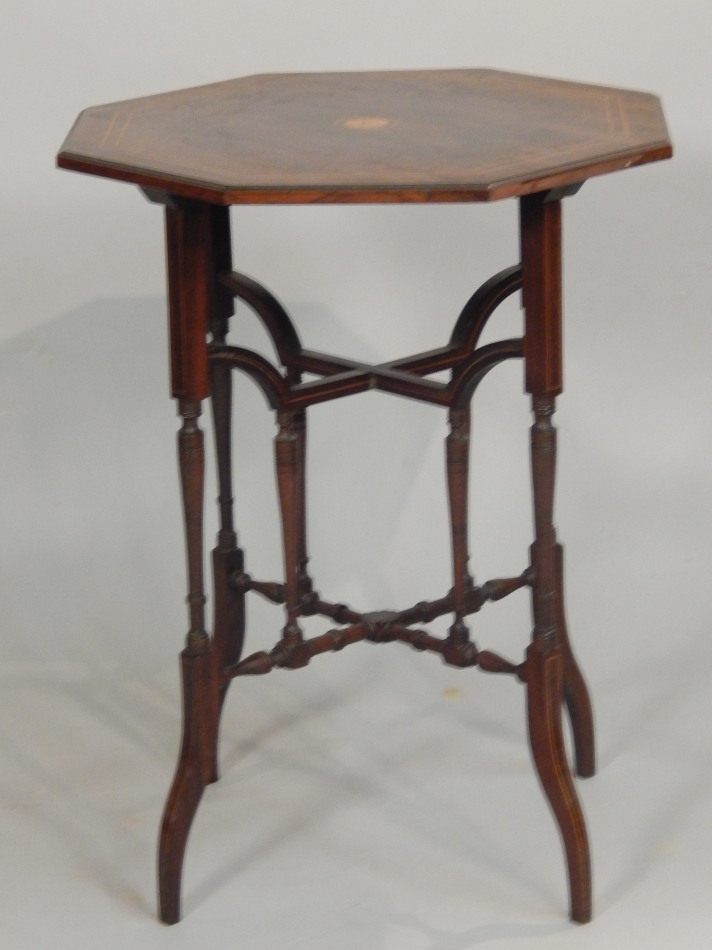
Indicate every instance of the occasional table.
{"type": "Point", "coordinates": [359, 138]}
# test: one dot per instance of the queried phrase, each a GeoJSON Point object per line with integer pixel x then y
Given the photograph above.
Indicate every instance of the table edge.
{"type": "Point", "coordinates": [195, 189]}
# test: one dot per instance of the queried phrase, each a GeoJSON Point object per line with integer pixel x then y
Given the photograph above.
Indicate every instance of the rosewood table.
{"type": "Point", "coordinates": [427, 136]}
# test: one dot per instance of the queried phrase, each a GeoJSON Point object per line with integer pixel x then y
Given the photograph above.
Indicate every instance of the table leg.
{"type": "Point", "coordinates": [549, 658]}
{"type": "Point", "coordinates": [196, 764]}
{"type": "Point", "coordinates": [190, 245]}
{"type": "Point", "coordinates": [546, 668]}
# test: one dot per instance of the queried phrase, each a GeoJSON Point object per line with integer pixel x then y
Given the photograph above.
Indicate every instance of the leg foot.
{"type": "Point", "coordinates": [545, 671]}
{"type": "Point", "coordinates": [576, 694]}
{"type": "Point", "coordinates": [193, 773]}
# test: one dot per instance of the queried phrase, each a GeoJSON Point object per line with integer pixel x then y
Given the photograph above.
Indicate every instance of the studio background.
{"type": "Point", "coordinates": [377, 799]}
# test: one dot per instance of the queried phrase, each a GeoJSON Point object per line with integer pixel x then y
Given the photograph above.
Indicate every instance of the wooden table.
{"type": "Point", "coordinates": [427, 136]}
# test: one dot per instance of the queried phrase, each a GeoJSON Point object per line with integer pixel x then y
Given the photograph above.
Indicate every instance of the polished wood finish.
{"type": "Point", "coordinates": [457, 135]}
{"type": "Point", "coordinates": [197, 243]}
{"type": "Point", "coordinates": [552, 672]}
{"type": "Point", "coordinates": [440, 135]}
{"type": "Point", "coordinates": [540, 225]}
{"type": "Point", "coordinates": [195, 770]}
{"type": "Point", "coordinates": [188, 252]}
{"type": "Point", "coordinates": [544, 676]}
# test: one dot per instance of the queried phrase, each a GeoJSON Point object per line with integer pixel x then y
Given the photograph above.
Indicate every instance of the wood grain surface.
{"type": "Point", "coordinates": [429, 135]}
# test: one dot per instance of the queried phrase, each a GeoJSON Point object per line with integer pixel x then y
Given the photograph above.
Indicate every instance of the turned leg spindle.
{"type": "Point", "coordinates": [229, 603]}
{"type": "Point", "coordinates": [300, 431]}
{"type": "Point", "coordinates": [288, 453]}
{"type": "Point", "coordinates": [458, 463]}
{"type": "Point", "coordinates": [191, 460]}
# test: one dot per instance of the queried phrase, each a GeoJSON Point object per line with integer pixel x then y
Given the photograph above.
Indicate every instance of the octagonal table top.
{"type": "Point", "coordinates": [419, 136]}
